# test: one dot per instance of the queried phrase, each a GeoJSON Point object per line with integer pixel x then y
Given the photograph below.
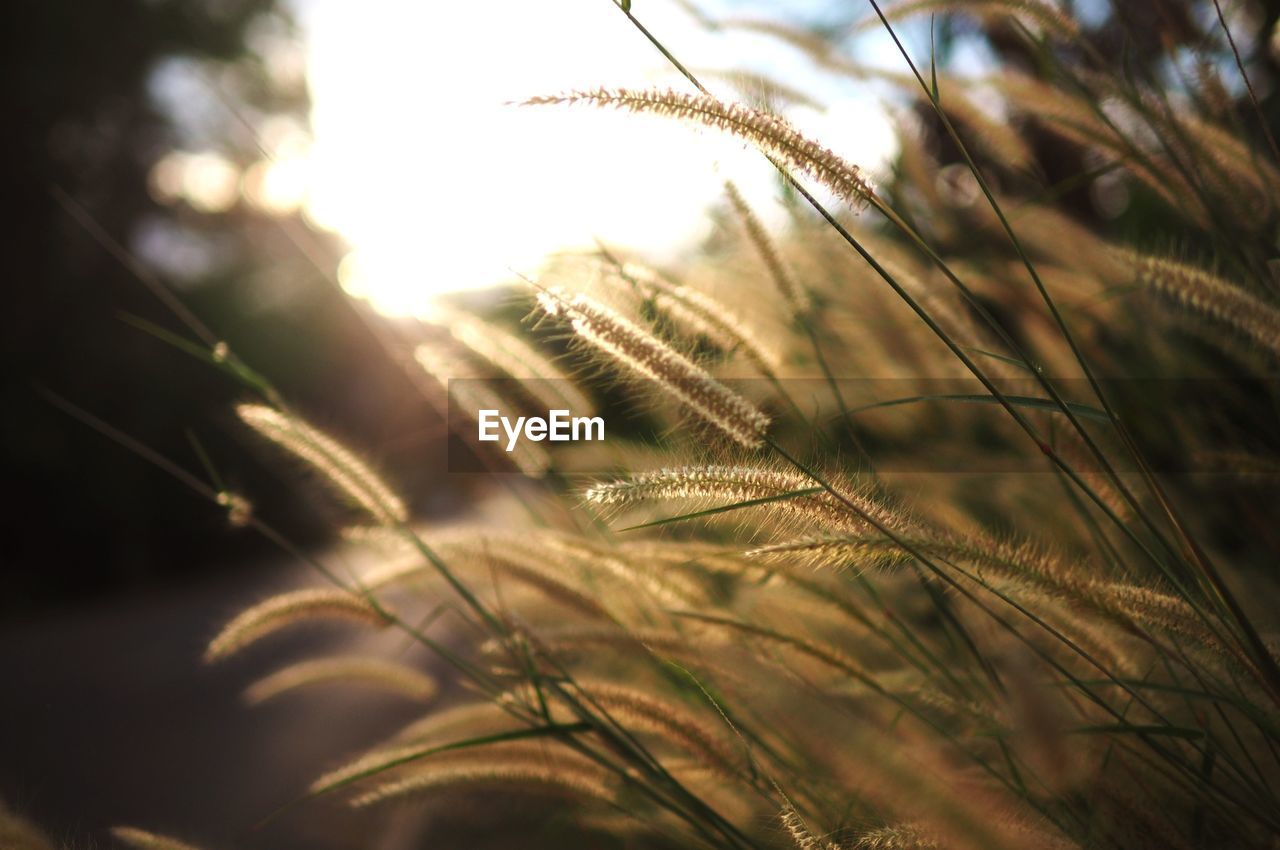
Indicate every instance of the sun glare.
{"type": "Point", "coordinates": [438, 184]}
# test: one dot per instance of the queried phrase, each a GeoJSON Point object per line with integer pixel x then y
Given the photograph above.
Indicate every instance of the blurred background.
{"type": "Point", "coordinates": [301, 176]}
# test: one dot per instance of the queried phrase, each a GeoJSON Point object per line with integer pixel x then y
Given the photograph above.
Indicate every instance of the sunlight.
{"type": "Point", "coordinates": [437, 184]}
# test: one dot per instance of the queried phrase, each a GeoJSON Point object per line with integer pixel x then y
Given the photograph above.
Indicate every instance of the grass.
{"type": "Point", "coordinates": [753, 633]}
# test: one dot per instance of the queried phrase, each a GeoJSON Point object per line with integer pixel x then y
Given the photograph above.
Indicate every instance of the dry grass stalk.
{"type": "Point", "coordinates": [1075, 118]}
{"type": "Point", "coordinates": [995, 134]}
{"type": "Point", "coordinates": [640, 352]}
{"type": "Point", "coordinates": [783, 278]}
{"type": "Point", "coordinates": [674, 723]}
{"type": "Point", "coordinates": [695, 313]}
{"type": "Point", "coordinates": [896, 837]}
{"type": "Point", "coordinates": [763, 91]}
{"type": "Point", "coordinates": [1034, 13]}
{"type": "Point", "coordinates": [668, 587]}
{"type": "Point", "coordinates": [18, 833]}
{"type": "Point", "coordinates": [376, 762]}
{"type": "Point", "coordinates": [769, 133]}
{"type": "Point", "coordinates": [514, 357]}
{"type": "Point", "coordinates": [821, 651]}
{"type": "Point", "coordinates": [545, 768]}
{"type": "Point", "coordinates": [471, 395]}
{"type": "Point", "coordinates": [457, 721]}
{"type": "Point", "coordinates": [350, 476]}
{"type": "Point", "coordinates": [374, 672]}
{"type": "Point", "coordinates": [857, 551]}
{"type": "Point", "coordinates": [140, 839]}
{"type": "Point", "coordinates": [813, 45]}
{"type": "Point", "coordinates": [799, 831]}
{"type": "Point", "coordinates": [1212, 297]}
{"type": "Point", "coordinates": [788, 492]}
{"type": "Point", "coordinates": [286, 609]}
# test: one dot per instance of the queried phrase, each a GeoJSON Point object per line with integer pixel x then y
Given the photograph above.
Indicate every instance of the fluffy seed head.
{"type": "Point", "coordinates": [372, 763]}
{"type": "Point", "coordinates": [19, 833]}
{"type": "Point", "coordinates": [142, 840]}
{"type": "Point", "coordinates": [1211, 296]}
{"type": "Point", "coordinates": [348, 475]}
{"type": "Point", "coordinates": [516, 358]}
{"type": "Point", "coordinates": [1052, 20]}
{"type": "Point", "coordinates": [642, 353]}
{"type": "Point", "coordinates": [379, 673]}
{"type": "Point", "coordinates": [472, 395]}
{"type": "Point", "coordinates": [285, 609]}
{"type": "Point", "coordinates": [800, 834]}
{"type": "Point", "coordinates": [537, 768]}
{"type": "Point", "coordinates": [771, 134]}
{"type": "Point", "coordinates": [833, 552]}
{"type": "Point", "coordinates": [783, 279]}
{"type": "Point", "coordinates": [901, 836]}
{"type": "Point", "coordinates": [640, 710]}
{"type": "Point", "coordinates": [696, 313]}
{"type": "Point", "coordinates": [723, 485]}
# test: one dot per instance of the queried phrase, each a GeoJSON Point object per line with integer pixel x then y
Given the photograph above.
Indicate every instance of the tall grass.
{"type": "Point", "coordinates": [757, 633]}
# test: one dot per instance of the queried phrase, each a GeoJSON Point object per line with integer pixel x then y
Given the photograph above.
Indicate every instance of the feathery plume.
{"type": "Point", "coordinates": [791, 493]}
{"type": "Point", "coordinates": [683, 554]}
{"type": "Point", "coordinates": [529, 777]}
{"type": "Point", "coordinates": [410, 743]}
{"type": "Point", "coordinates": [349, 475]}
{"type": "Point", "coordinates": [543, 768]}
{"type": "Point", "coordinates": [1210, 296]}
{"type": "Point", "coordinates": [1235, 173]}
{"type": "Point", "coordinates": [770, 133]}
{"type": "Point", "coordinates": [467, 717]}
{"type": "Point", "coordinates": [375, 763]}
{"type": "Point", "coordinates": [820, 651]}
{"type": "Point", "coordinates": [674, 723]}
{"type": "Point", "coordinates": [861, 551]}
{"type": "Point", "coordinates": [790, 289]}
{"type": "Point", "coordinates": [1167, 612]}
{"type": "Point", "coordinates": [596, 638]}
{"type": "Point", "coordinates": [1052, 20]}
{"type": "Point", "coordinates": [142, 840]}
{"type": "Point", "coordinates": [554, 564]}
{"type": "Point", "coordinates": [1075, 118]}
{"type": "Point", "coordinates": [896, 837]}
{"type": "Point", "coordinates": [470, 396]}
{"type": "Point", "coordinates": [697, 649]}
{"type": "Point", "coordinates": [18, 833]}
{"type": "Point", "coordinates": [799, 831]}
{"type": "Point", "coordinates": [812, 44]}
{"type": "Point", "coordinates": [667, 587]}
{"type": "Point", "coordinates": [1076, 454]}
{"type": "Point", "coordinates": [283, 610]}
{"type": "Point", "coordinates": [696, 313]}
{"type": "Point", "coordinates": [996, 135]}
{"type": "Point", "coordinates": [543, 561]}
{"type": "Point", "coordinates": [649, 357]}
{"type": "Point", "coordinates": [1070, 115]}
{"type": "Point", "coordinates": [763, 91]}
{"type": "Point", "coordinates": [516, 358]}
{"type": "Point", "coordinates": [389, 676]}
